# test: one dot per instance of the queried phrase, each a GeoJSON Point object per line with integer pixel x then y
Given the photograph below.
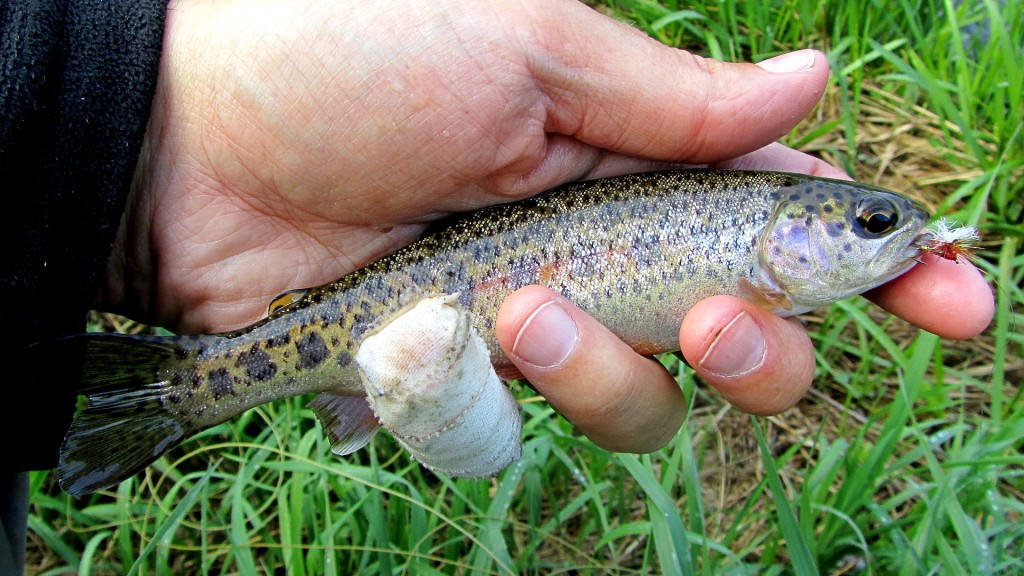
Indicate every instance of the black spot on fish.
{"type": "Point", "coordinates": [809, 207]}
{"type": "Point", "coordinates": [312, 350]}
{"type": "Point", "coordinates": [794, 197]}
{"type": "Point", "coordinates": [174, 398]}
{"type": "Point", "coordinates": [221, 383]}
{"type": "Point", "coordinates": [277, 341]}
{"type": "Point", "coordinates": [257, 364]}
{"type": "Point", "coordinates": [827, 208]}
{"type": "Point", "coordinates": [181, 353]}
{"type": "Point", "coordinates": [344, 358]}
{"type": "Point", "coordinates": [197, 380]}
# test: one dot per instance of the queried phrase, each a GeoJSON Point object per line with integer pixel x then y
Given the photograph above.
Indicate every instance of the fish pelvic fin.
{"type": "Point", "coordinates": [126, 424]}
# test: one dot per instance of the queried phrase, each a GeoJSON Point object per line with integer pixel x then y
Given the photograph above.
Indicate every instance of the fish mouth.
{"type": "Point", "coordinates": [910, 255]}
{"type": "Point", "coordinates": [921, 243]}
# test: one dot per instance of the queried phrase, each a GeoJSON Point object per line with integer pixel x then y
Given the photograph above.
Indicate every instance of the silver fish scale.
{"type": "Point", "coordinates": [613, 251]}
{"type": "Point", "coordinates": [612, 246]}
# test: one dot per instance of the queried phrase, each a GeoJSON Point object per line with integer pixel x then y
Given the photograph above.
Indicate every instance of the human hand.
{"type": "Point", "coordinates": [294, 142]}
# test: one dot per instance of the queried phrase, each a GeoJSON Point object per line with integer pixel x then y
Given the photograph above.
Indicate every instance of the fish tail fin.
{"type": "Point", "coordinates": [125, 425]}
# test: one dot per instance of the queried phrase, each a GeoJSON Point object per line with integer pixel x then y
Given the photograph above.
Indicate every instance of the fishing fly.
{"type": "Point", "coordinates": [948, 240]}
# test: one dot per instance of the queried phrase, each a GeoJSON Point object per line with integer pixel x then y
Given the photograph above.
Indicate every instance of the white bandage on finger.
{"type": "Point", "coordinates": [429, 379]}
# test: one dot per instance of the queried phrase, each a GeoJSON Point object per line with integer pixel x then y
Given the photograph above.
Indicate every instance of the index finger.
{"type": "Point", "coordinates": [946, 298]}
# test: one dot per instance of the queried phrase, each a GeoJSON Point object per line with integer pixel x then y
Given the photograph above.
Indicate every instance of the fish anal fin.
{"type": "Point", "coordinates": [348, 421]}
{"type": "Point", "coordinates": [768, 299]}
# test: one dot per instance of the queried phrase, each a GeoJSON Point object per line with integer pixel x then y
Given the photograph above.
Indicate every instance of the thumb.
{"type": "Point", "coordinates": [615, 89]}
{"type": "Point", "coordinates": [759, 362]}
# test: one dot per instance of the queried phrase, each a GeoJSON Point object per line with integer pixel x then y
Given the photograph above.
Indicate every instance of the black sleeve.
{"type": "Point", "coordinates": [77, 78]}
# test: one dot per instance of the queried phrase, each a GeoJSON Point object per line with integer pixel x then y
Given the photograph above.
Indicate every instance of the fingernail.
{"type": "Point", "coordinates": [548, 337]}
{"type": "Point", "coordinates": [737, 350]}
{"type": "Point", "coordinates": [799, 61]}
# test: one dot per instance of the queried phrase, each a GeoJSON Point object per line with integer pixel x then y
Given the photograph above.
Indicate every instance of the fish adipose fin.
{"type": "Point", "coordinates": [125, 426]}
{"type": "Point", "coordinates": [348, 421]}
{"type": "Point", "coordinates": [285, 299]}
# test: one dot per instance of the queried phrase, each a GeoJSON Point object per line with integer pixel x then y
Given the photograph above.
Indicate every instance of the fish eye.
{"type": "Point", "coordinates": [876, 216]}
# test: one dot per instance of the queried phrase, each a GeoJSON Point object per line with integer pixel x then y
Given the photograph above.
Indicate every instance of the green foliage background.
{"type": "Point", "coordinates": [906, 459]}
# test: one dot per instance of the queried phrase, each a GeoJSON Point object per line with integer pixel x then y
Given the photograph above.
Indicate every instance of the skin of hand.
{"type": "Point", "coordinates": [293, 142]}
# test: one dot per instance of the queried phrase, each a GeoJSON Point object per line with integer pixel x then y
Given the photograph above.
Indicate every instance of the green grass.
{"type": "Point", "coordinates": [906, 459]}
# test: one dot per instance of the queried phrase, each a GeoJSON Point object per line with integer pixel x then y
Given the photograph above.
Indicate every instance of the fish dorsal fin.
{"type": "Point", "coordinates": [771, 300]}
{"type": "Point", "coordinates": [348, 421]}
{"type": "Point", "coordinates": [285, 298]}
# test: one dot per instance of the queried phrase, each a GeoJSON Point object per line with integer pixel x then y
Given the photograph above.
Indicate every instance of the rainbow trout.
{"type": "Point", "coordinates": [637, 252]}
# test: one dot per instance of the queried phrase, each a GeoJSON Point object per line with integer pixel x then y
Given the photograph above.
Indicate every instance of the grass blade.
{"type": "Point", "coordinates": [800, 555]}
{"type": "Point", "coordinates": [671, 542]}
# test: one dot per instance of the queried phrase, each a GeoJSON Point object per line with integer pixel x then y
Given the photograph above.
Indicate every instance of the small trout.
{"type": "Point", "coordinates": [637, 252]}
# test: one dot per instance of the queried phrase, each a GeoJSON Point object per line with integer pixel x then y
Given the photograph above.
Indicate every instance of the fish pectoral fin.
{"type": "Point", "coordinates": [766, 298]}
{"type": "Point", "coordinates": [348, 421]}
